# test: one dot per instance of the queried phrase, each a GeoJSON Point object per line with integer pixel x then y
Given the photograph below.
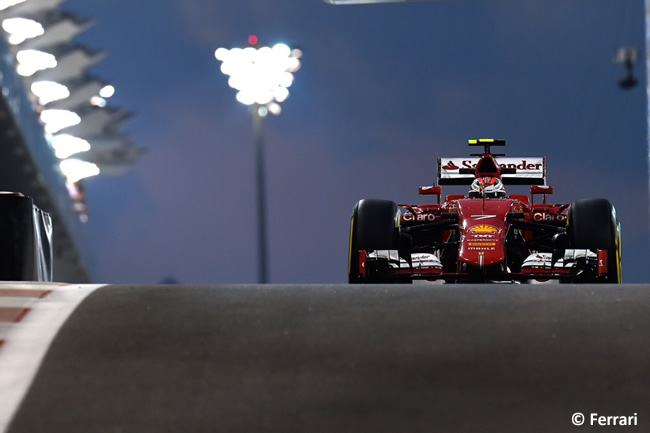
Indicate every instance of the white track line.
{"type": "Point", "coordinates": [27, 341]}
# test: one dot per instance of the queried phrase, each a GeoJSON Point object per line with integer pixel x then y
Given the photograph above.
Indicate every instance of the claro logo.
{"type": "Point", "coordinates": [548, 217]}
{"type": "Point", "coordinates": [423, 217]}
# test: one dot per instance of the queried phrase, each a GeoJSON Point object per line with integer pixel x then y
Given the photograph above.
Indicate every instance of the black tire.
{"type": "Point", "coordinates": [374, 226]}
{"type": "Point", "coordinates": [592, 224]}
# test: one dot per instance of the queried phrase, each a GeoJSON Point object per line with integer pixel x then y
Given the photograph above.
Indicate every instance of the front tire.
{"type": "Point", "coordinates": [374, 226]}
{"type": "Point", "coordinates": [592, 224]}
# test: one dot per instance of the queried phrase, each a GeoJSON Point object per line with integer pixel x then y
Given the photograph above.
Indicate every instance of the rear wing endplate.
{"type": "Point", "coordinates": [528, 170]}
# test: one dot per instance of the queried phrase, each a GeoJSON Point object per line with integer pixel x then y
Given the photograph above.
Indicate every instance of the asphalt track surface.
{"type": "Point", "coordinates": [499, 358]}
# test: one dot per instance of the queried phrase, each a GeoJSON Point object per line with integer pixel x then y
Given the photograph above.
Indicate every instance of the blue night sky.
{"type": "Point", "coordinates": [383, 91]}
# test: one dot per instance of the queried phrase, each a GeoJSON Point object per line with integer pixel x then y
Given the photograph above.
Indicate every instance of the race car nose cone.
{"type": "Point", "coordinates": [480, 255]}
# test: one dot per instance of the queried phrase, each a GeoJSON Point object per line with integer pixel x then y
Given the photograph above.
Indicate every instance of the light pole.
{"type": "Point", "coordinates": [262, 77]}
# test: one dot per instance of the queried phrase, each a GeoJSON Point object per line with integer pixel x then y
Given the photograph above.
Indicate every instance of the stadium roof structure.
{"type": "Point", "coordinates": [56, 122]}
{"type": "Point", "coordinates": [55, 70]}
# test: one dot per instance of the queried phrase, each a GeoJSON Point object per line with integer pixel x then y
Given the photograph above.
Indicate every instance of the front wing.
{"type": "Point", "coordinates": [574, 265]}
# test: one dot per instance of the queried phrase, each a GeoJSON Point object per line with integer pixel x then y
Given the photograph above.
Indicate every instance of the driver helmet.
{"type": "Point", "coordinates": [490, 187]}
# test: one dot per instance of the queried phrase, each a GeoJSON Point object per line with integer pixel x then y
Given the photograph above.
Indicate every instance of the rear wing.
{"type": "Point", "coordinates": [460, 171]}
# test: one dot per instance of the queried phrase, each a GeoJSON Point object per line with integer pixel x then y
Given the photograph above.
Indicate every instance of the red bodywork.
{"type": "Point", "coordinates": [481, 239]}
{"type": "Point", "coordinates": [482, 230]}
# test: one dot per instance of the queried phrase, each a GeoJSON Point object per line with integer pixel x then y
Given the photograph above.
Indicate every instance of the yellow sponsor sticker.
{"type": "Point", "coordinates": [482, 244]}
{"type": "Point", "coordinates": [483, 228]}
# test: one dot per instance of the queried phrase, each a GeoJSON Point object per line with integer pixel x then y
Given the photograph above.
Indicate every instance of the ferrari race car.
{"type": "Point", "coordinates": [486, 235]}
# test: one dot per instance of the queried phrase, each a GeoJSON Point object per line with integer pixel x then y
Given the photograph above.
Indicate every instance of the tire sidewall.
{"type": "Point", "coordinates": [374, 226]}
{"type": "Point", "coordinates": [592, 224]}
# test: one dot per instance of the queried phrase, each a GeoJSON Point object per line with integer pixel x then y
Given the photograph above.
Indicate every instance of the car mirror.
{"type": "Point", "coordinates": [540, 189]}
{"type": "Point", "coordinates": [431, 190]}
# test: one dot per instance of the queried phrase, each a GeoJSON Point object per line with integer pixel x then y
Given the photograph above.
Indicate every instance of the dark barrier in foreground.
{"type": "Point", "coordinates": [25, 240]}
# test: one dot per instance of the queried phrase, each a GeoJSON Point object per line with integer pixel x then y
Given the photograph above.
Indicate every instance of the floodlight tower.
{"type": "Point", "coordinates": [262, 77]}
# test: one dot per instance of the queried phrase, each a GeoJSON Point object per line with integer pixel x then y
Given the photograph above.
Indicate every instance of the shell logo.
{"type": "Point", "coordinates": [483, 228]}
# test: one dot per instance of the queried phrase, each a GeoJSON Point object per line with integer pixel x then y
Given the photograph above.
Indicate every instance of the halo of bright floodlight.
{"type": "Point", "coordinates": [98, 101]}
{"type": "Point", "coordinates": [260, 75]}
{"type": "Point", "coordinates": [282, 50]}
{"type": "Point", "coordinates": [274, 108]}
{"type": "Point", "coordinates": [76, 169]}
{"type": "Point", "coordinates": [32, 61]}
{"type": "Point", "coordinates": [4, 4]}
{"type": "Point", "coordinates": [262, 111]}
{"type": "Point", "coordinates": [20, 29]}
{"type": "Point", "coordinates": [107, 91]}
{"type": "Point", "coordinates": [221, 54]}
{"type": "Point", "coordinates": [49, 91]}
{"type": "Point", "coordinates": [56, 120]}
{"type": "Point", "coordinates": [66, 145]}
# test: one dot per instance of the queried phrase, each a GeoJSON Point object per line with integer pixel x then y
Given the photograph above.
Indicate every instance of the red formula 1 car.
{"type": "Point", "coordinates": [486, 235]}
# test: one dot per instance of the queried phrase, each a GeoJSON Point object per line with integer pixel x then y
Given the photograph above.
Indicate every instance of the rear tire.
{"type": "Point", "coordinates": [592, 224]}
{"type": "Point", "coordinates": [374, 226]}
